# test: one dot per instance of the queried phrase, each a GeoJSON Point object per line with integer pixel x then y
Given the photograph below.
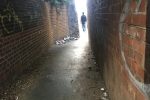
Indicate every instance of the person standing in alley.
{"type": "Point", "coordinates": [83, 20]}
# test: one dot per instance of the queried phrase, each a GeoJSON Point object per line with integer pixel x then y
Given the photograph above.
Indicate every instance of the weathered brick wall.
{"type": "Point", "coordinates": [60, 23]}
{"type": "Point", "coordinates": [73, 19]}
{"type": "Point", "coordinates": [63, 25]}
{"type": "Point", "coordinates": [26, 31]}
{"type": "Point", "coordinates": [117, 30]}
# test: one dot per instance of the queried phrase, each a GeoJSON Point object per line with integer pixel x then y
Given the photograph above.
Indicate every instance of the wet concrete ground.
{"type": "Point", "coordinates": [66, 72]}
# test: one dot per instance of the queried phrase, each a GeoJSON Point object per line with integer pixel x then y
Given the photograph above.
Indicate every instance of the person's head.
{"type": "Point", "coordinates": [83, 13]}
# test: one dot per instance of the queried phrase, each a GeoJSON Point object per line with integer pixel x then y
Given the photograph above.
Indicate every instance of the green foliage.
{"type": "Point", "coordinates": [57, 3]}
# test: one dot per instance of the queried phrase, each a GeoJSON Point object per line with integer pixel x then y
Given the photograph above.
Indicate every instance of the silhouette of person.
{"type": "Point", "coordinates": [83, 20]}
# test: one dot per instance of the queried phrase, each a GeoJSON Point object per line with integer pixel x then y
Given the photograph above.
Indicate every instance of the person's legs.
{"type": "Point", "coordinates": [83, 27]}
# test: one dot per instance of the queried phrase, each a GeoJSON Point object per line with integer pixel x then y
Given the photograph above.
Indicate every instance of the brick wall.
{"type": "Point", "coordinates": [60, 23]}
{"type": "Point", "coordinates": [73, 19]}
{"type": "Point", "coordinates": [117, 30]}
{"type": "Point", "coordinates": [26, 32]}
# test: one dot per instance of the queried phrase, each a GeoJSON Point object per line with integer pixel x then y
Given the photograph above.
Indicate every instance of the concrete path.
{"type": "Point", "coordinates": [68, 72]}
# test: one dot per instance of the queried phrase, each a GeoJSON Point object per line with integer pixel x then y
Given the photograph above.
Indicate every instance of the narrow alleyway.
{"type": "Point", "coordinates": [39, 59]}
{"type": "Point", "coordinates": [68, 72]}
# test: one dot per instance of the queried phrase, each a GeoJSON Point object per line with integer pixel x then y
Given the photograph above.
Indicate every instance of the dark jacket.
{"type": "Point", "coordinates": [83, 19]}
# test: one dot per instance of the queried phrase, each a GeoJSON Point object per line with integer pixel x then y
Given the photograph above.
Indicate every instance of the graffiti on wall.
{"type": "Point", "coordinates": [145, 88]}
{"type": "Point", "coordinates": [19, 15]}
{"type": "Point", "coordinates": [11, 17]}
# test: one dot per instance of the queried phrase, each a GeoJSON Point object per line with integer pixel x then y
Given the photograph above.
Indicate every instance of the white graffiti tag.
{"type": "Point", "coordinates": [144, 88]}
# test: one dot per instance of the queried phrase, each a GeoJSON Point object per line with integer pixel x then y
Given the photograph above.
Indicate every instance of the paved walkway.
{"type": "Point", "coordinates": [68, 72]}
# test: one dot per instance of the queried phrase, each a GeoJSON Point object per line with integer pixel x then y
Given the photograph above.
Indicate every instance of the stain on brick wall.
{"type": "Point", "coordinates": [21, 47]}
{"type": "Point", "coordinates": [118, 38]}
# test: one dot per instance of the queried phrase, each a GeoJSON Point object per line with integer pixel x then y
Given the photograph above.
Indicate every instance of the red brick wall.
{"type": "Point", "coordinates": [117, 30]}
{"type": "Point", "coordinates": [60, 23]}
{"type": "Point", "coordinates": [20, 48]}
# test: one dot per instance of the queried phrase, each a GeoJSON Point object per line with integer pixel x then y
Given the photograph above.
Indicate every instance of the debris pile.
{"type": "Point", "coordinates": [103, 90]}
{"type": "Point", "coordinates": [65, 39]}
{"type": "Point", "coordinates": [104, 96]}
